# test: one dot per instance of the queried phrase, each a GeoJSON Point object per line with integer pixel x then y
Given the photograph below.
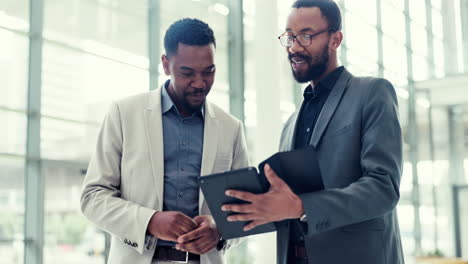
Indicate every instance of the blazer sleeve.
{"type": "Point", "coordinates": [240, 160]}
{"type": "Point", "coordinates": [240, 156]}
{"type": "Point", "coordinates": [101, 200]}
{"type": "Point", "coordinates": [377, 190]}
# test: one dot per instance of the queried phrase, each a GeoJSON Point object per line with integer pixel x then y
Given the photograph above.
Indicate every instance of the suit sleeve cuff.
{"type": "Point", "coordinates": [144, 241]}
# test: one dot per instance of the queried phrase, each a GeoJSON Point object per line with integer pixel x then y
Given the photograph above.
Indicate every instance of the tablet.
{"type": "Point", "coordinates": [298, 168]}
{"type": "Point", "coordinates": [213, 188]}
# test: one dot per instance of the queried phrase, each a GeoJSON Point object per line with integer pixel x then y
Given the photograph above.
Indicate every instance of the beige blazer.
{"type": "Point", "coordinates": [124, 184]}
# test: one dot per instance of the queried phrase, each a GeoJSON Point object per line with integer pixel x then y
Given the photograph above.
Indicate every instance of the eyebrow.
{"type": "Point", "coordinates": [302, 30]}
{"type": "Point", "coordinates": [185, 68]}
{"type": "Point", "coordinates": [211, 67]}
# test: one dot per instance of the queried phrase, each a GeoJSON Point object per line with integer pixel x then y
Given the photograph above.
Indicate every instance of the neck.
{"type": "Point", "coordinates": [181, 107]}
{"type": "Point", "coordinates": [184, 111]}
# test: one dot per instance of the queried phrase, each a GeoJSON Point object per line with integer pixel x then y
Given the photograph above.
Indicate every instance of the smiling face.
{"type": "Point", "coordinates": [308, 67]}
{"type": "Point", "coordinates": [312, 62]}
{"type": "Point", "coordinates": [192, 72]}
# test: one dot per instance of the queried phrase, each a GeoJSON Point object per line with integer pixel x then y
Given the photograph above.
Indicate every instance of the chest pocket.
{"type": "Point", "coordinates": [340, 131]}
{"type": "Point", "coordinates": [335, 131]}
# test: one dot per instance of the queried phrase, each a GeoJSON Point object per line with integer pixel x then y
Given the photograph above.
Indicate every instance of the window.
{"type": "Point", "coordinates": [68, 235]}
{"type": "Point", "coordinates": [120, 24]}
{"type": "Point", "coordinates": [95, 52]}
{"type": "Point", "coordinates": [12, 208]}
{"type": "Point", "coordinates": [363, 10]}
{"type": "Point", "coordinates": [14, 69]}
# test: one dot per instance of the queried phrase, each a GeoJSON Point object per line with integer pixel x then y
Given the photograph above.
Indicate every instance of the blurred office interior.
{"type": "Point", "coordinates": [62, 62]}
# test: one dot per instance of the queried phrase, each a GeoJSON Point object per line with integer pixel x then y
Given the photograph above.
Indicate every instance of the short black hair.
{"type": "Point", "coordinates": [329, 9]}
{"type": "Point", "coordinates": [188, 31]}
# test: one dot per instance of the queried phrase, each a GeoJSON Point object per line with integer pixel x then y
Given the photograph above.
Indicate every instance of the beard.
{"type": "Point", "coordinates": [194, 106]}
{"type": "Point", "coordinates": [316, 66]}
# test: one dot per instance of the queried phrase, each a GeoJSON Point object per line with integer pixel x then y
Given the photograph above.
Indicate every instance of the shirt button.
{"type": "Point", "coordinates": [181, 194]}
{"type": "Point", "coordinates": [184, 143]}
{"type": "Point", "coordinates": [308, 129]}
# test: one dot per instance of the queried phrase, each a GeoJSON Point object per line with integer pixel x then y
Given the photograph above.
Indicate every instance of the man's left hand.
{"type": "Point", "coordinates": [279, 203]}
{"type": "Point", "coordinates": [202, 239]}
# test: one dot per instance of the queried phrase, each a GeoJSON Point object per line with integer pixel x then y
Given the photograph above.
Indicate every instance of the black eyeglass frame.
{"type": "Point", "coordinates": [284, 38]}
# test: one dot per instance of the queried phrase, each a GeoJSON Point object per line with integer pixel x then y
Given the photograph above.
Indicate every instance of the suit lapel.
{"type": "Point", "coordinates": [290, 135]}
{"type": "Point", "coordinates": [154, 137]}
{"type": "Point", "coordinates": [329, 108]}
{"type": "Point", "coordinates": [210, 143]}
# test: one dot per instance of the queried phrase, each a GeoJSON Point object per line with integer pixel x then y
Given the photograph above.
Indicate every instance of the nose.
{"type": "Point", "coordinates": [198, 82]}
{"type": "Point", "coordinates": [295, 47]}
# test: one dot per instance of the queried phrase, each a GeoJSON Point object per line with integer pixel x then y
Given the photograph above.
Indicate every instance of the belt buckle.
{"type": "Point", "coordinates": [182, 261]}
{"type": "Point", "coordinates": [300, 252]}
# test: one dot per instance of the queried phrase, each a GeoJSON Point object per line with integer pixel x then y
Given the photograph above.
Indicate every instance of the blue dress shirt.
{"type": "Point", "coordinates": [183, 150]}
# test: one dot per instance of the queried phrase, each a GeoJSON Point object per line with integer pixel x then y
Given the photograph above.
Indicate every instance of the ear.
{"type": "Point", "coordinates": [165, 63]}
{"type": "Point", "coordinates": [336, 39]}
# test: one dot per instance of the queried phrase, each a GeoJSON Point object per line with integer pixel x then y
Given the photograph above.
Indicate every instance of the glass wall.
{"type": "Point", "coordinates": [14, 26]}
{"type": "Point", "coordinates": [93, 52]}
{"type": "Point", "coordinates": [360, 27]}
{"type": "Point", "coordinates": [96, 51]}
{"type": "Point", "coordinates": [68, 236]}
{"type": "Point", "coordinates": [12, 208]}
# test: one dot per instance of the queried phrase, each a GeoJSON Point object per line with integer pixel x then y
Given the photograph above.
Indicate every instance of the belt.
{"type": "Point", "coordinates": [298, 252]}
{"type": "Point", "coordinates": [166, 253]}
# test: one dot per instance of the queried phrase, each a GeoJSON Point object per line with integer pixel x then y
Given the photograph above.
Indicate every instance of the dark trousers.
{"type": "Point", "coordinates": [297, 253]}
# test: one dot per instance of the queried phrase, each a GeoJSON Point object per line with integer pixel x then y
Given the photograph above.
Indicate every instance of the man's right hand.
{"type": "Point", "coordinates": [170, 225]}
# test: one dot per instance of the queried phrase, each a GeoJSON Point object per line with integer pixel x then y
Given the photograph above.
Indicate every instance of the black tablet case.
{"type": "Point", "coordinates": [299, 169]}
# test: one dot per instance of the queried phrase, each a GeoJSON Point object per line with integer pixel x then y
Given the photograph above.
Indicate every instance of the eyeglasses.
{"type": "Point", "coordinates": [303, 39]}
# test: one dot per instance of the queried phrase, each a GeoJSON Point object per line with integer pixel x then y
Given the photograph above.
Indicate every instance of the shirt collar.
{"type": "Point", "coordinates": [330, 80]}
{"type": "Point", "coordinates": [326, 83]}
{"type": "Point", "coordinates": [166, 100]}
{"type": "Point", "coordinates": [167, 104]}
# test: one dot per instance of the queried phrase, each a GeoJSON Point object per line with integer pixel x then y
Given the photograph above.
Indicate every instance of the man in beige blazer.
{"type": "Point", "coordinates": [142, 182]}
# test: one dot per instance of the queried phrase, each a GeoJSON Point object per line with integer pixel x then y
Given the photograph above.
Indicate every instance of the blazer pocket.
{"type": "Point", "coordinates": [222, 165]}
{"type": "Point", "coordinates": [373, 224]}
{"type": "Point", "coordinates": [341, 130]}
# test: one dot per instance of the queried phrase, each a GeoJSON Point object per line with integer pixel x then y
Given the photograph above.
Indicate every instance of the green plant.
{"type": "Point", "coordinates": [435, 253]}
